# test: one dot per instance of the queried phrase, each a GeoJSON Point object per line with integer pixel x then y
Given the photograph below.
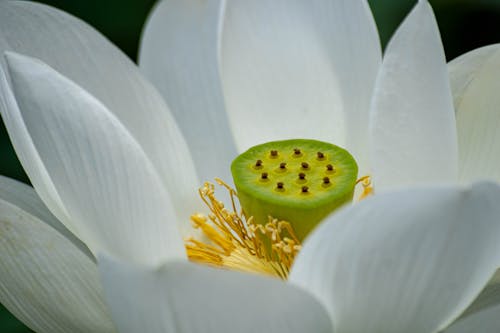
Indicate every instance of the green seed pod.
{"type": "Point", "coordinates": [300, 181]}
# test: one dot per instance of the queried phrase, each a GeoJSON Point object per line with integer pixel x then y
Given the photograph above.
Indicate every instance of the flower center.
{"type": "Point", "coordinates": [285, 188]}
{"type": "Point", "coordinates": [300, 181]}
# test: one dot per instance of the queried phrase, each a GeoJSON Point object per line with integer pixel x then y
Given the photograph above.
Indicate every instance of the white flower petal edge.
{"type": "Point", "coordinates": [475, 81]}
{"type": "Point", "coordinates": [45, 280]}
{"type": "Point", "coordinates": [26, 199]}
{"type": "Point", "coordinates": [413, 130]}
{"type": "Point", "coordinates": [112, 193]}
{"type": "Point", "coordinates": [287, 69]}
{"type": "Point", "coordinates": [409, 261]}
{"type": "Point", "coordinates": [357, 58]}
{"type": "Point", "coordinates": [182, 297]}
{"type": "Point", "coordinates": [79, 52]}
{"type": "Point", "coordinates": [29, 157]}
{"type": "Point", "coordinates": [179, 54]}
{"type": "Point", "coordinates": [486, 321]}
{"type": "Point", "coordinates": [488, 298]}
{"type": "Point", "coordinates": [463, 70]}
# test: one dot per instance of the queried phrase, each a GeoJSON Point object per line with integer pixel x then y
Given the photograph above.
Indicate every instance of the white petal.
{"type": "Point", "coordinates": [29, 157]}
{"type": "Point", "coordinates": [486, 321]}
{"type": "Point", "coordinates": [357, 58]}
{"type": "Point", "coordinates": [45, 280]}
{"type": "Point", "coordinates": [413, 132]}
{"type": "Point", "coordinates": [407, 261]}
{"type": "Point", "coordinates": [475, 81]}
{"type": "Point", "coordinates": [488, 298]}
{"type": "Point", "coordinates": [298, 69]}
{"type": "Point", "coordinates": [185, 298]}
{"type": "Point", "coordinates": [84, 56]}
{"type": "Point", "coordinates": [113, 195]}
{"type": "Point", "coordinates": [179, 54]}
{"type": "Point", "coordinates": [25, 198]}
{"type": "Point", "coordinates": [463, 70]}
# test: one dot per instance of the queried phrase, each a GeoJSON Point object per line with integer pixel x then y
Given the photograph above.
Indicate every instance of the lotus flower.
{"type": "Point", "coordinates": [111, 167]}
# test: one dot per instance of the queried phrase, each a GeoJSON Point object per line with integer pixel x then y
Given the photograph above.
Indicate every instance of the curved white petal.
{"type": "Point", "coordinates": [84, 56]}
{"type": "Point", "coordinates": [29, 157]}
{"type": "Point", "coordinates": [293, 69]}
{"type": "Point", "coordinates": [45, 280]}
{"type": "Point", "coordinates": [475, 81]}
{"type": "Point", "coordinates": [26, 199]}
{"type": "Point", "coordinates": [413, 131]}
{"type": "Point", "coordinates": [407, 261]}
{"type": "Point", "coordinates": [488, 298]}
{"type": "Point", "coordinates": [112, 193]}
{"type": "Point", "coordinates": [185, 298]}
{"type": "Point", "coordinates": [179, 54]}
{"type": "Point", "coordinates": [357, 58]}
{"type": "Point", "coordinates": [464, 69]}
{"type": "Point", "coordinates": [486, 321]}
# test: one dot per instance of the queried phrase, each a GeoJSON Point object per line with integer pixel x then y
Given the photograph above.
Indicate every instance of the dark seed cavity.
{"type": "Point", "coordinates": [264, 175]}
{"type": "Point", "coordinates": [326, 180]}
{"type": "Point", "coordinates": [305, 165]}
{"type": "Point", "coordinates": [305, 189]}
{"type": "Point", "coordinates": [283, 165]}
{"type": "Point", "coordinates": [320, 155]}
{"type": "Point", "coordinates": [280, 185]}
{"type": "Point", "coordinates": [274, 153]}
{"type": "Point", "coordinates": [302, 176]}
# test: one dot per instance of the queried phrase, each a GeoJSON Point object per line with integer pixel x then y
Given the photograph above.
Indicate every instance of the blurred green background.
{"type": "Point", "coordinates": [464, 25]}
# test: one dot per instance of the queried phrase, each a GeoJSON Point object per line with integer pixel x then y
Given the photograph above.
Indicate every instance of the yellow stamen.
{"type": "Point", "coordinates": [366, 182]}
{"type": "Point", "coordinates": [235, 242]}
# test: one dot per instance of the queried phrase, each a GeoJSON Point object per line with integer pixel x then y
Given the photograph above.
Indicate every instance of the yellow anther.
{"type": "Point", "coordinates": [239, 244]}
{"type": "Point", "coordinates": [366, 182]}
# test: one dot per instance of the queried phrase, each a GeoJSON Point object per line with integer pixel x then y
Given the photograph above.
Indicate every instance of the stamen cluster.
{"type": "Point", "coordinates": [237, 243]}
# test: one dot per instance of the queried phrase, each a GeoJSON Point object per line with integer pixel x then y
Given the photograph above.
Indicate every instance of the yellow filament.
{"type": "Point", "coordinates": [236, 243]}
{"type": "Point", "coordinates": [366, 182]}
